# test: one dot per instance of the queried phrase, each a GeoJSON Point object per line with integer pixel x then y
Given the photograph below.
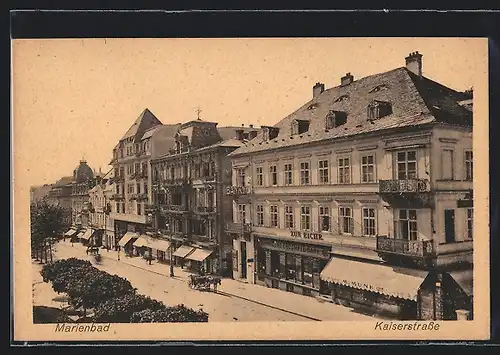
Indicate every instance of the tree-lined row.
{"type": "Point", "coordinates": [111, 297]}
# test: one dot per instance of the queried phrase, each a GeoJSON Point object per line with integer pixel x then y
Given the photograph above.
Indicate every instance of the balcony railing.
{"type": "Point", "coordinates": [142, 197]}
{"type": "Point", "coordinates": [203, 238]}
{"type": "Point", "coordinates": [118, 196]}
{"type": "Point", "coordinates": [238, 227]}
{"type": "Point", "coordinates": [208, 178]}
{"type": "Point", "coordinates": [415, 248]}
{"type": "Point", "coordinates": [237, 190]}
{"type": "Point", "coordinates": [404, 186]}
{"type": "Point", "coordinates": [205, 209]}
{"type": "Point", "coordinates": [150, 208]}
{"type": "Point", "coordinates": [174, 208]}
{"type": "Point", "coordinates": [133, 196]}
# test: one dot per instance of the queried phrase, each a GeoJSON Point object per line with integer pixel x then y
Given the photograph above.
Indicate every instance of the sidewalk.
{"type": "Point", "coordinates": [307, 307]}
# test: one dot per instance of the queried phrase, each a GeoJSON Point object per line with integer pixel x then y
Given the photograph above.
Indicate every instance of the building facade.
{"type": "Point", "coordinates": [99, 211]}
{"type": "Point", "coordinates": [132, 177]}
{"type": "Point", "coordinates": [83, 181]}
{"type": "Point", "coordinates": [191, 208]}
{"type": "Point", "coordinates": [363, 196]}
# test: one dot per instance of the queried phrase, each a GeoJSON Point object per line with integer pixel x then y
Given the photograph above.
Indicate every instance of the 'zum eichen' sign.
{"type": "Point", "coordinates": [306, 235]}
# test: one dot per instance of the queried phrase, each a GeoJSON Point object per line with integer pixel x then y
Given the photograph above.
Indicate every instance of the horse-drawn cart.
{"type": "Point", "coordinates": [203, 283]}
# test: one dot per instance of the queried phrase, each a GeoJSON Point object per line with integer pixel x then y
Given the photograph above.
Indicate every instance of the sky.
{"type": "Point", "coordinates": [75, 98]}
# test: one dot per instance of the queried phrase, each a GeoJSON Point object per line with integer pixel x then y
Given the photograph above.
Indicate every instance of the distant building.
{"type": "Point", "coordinates": [39, 193]}
{"type": "Point", "coordinates": [99, 210]}
{"type": "Point", "coordinates": [190, 206]}
{"type": "Point", "coordinates": [363, 196]}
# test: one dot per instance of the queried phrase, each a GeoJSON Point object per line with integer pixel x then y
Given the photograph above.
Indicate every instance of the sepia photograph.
{"type": "Point", "coordinates": [231, 188]}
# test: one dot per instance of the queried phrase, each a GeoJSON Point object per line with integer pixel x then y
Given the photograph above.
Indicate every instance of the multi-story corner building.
{"type": "Point", "coordinates": [99, 210]}
{"type": "Point", "coordinates": [190, 205]}
{"type": "Point", "coordinates": [132, 177]}
{"type": "Point", "coordinates": [363, 196]}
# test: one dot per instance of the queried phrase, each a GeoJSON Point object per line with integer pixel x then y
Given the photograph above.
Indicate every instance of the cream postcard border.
{"type": "Point", "coordinates": [478, 329]}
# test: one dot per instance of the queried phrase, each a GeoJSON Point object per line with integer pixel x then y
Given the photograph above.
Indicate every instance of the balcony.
{"type": "Point", "coordinates": [174, 208]}
{"type": "Point", "coordinates": [142, 197]}
{"type": "Point", "coordinates": [208, 178]}
{"type": "Point", "coordinates": [237, 190]}
{"type": "Point", "coordinates": [205, 209]}
{"type": "Point", "coordinates": [150, 208]}
{"type": "Point", "coordinates": [410, 248]}
{"type": "Point", "coordinates": [118, 196]}
{"type": "Point", "coordinates": [242, 228]}
{"type": "Point", "coordinates": [203, 239]}
{"type": "Point", "coordinates": [404, 186]}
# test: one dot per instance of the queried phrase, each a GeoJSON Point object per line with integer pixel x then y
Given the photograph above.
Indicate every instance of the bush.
{"type": "Point", "coordinates": [121, 309]}
{"type": "Point", "coordinates": [44, 315]}
{"type": "Point", "coordinates": [174, 314]}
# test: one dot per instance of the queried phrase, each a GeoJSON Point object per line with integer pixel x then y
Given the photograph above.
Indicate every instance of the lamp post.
{"type": "Point", "coordinates": [170, 251]}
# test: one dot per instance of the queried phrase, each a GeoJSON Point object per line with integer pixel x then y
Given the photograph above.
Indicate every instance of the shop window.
{"type": "Point", "coordinates": [274, 175]}
{"type": "Point", "coordinates": [470, 222]}
{"type": "Point", "coordinates": [305, 218]}
{"type": "Point", "coordinates": [260, 215]}
{"type": "Point", "coordinates": [275, 263]}
{"type": "Point", "coordinates": [261, 261]}
{"type": "Point", "coordinates": [288, 174]}
{"type": "Point", "coordinates": [307, 267]}
{"type": "Point", "coordinates": [369, 225]}
{"type": "Point", "coordinates": [274, 216]}
{"type": "Point", "coordinates": [305, 173]}
{"type": "Point", "coordinates": [407, 165]}
{"type": "Point", "coordinates": [368, 168]}
{"type": "Point", "coordinates": [290, 267]}
{"type": "Point", "coordinates": [346, 222]}
{"type": "Point", "coordinates": [323, 172]}
{"type": "Point", "coordinates": [344, 170]}
{"type": "Point", "coordinates": [324, 218]}
{"type": "Point", "coordinates": [469, 172]}
{"type": "Point", "coordinates": [405, 224]}
{"type": "Point", "coordinates": [260, 176]}
{"type": "Point", "coordinates": [289, 223]}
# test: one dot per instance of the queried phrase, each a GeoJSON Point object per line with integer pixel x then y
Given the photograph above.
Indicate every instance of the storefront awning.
{"type": "Point", "coordinates": [79, 235]}
{"type": "Point", "coordinates": [140, 242]}
{"type": "Point", "coordinates": [88, 233]}
{"type": "Point", "coordinates": [199, 254]}
{"type": "Point", "coordinates": [387, 280]}
{"type": "Point", "coordinates": [183, 251]}
{"type": "Point", "coordinates": [464, 279]}
{"type": "Point", "coordinates": [126, 238]}
{"type": "Point", "coordinates": [153, 243]}
{"type": "Point", "coordinates": [70, 232]}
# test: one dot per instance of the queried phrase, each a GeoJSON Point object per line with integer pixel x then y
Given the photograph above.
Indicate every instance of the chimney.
{"type": "Point", "coordinates": [251, 126]}
{"type": "Point", "coordinates": [318, 88]}
{"type": "Point", "coordinates": [414, 63]}
{"type": "Point", "coordinates": [239, 134]}
{"type": "Point", "coordinates": [346, 79]}
{"type": "Point", "coordinates": [252, 134]}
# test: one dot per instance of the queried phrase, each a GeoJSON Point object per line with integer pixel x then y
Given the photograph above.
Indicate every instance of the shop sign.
{"type": "Point", "coordinates": [306, 235]}
{"type": "Point", "coordinates": [297, 247]}
{"type": "Point", "coordinates": [237, 190]}
{"type": "Point", "coordinates": [372, 288]}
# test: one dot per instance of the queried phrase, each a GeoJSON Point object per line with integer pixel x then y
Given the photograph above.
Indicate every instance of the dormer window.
{"type": "Point", "coordinates": [378, 88]}
{"type": "Point", "coordinates": [335, 119]}
{"type": "Point", "coordinates": [269, 133]}
{"type": "Point", "coordinates": [342, 98]}
{"type": "Point", "coordinates": [313, 106]}
{"type": "Point", "coordinates": [379, 109]}
{"type": "Point", "coordinates": [300, 126]}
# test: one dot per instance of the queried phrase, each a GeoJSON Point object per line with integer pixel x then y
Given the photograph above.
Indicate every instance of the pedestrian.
{"type": "Point", "coordinates": [118, 254]}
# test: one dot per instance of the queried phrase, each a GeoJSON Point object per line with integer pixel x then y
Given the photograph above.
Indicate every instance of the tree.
{"type": "Point", "coordinates": [51, 271]}
{"type": "Point", "coordinates": [47, 222]}
{"type": "Point", "coordinates": [175, 314]}
{"type": "Point", "coordinates": [44, 315]}
{"type": "Point", "coordinates": [120, 309]}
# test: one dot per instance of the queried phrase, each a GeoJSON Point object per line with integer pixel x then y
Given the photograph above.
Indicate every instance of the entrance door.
{"type": "Point", "coordinates": [243, 247]}
{"type": "Point", "coordinates": [449, 226]}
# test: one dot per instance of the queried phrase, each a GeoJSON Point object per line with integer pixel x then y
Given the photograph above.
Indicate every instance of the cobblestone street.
{"type": "Point", "coordinates": [234, 301]}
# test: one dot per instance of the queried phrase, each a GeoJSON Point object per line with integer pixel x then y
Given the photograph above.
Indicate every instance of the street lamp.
{"type": "Point", "coordinates": [170, 250]}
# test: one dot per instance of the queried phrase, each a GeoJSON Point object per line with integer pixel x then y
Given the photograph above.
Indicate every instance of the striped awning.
{"type": "Point", "coordinates": [183, 251]}
{"type": "Point", "coordinates": [153, 243]}
{"type": "Point", "coordinates": [79, 235]}
{"type": "Point", "coordinates": [87, 235]}
{"type": "Point", "coordinates": [127, 237]}
{"type": "Point", "coordinates": [199, 254]}
{"type": "Point", "coordinates": [70, 232]}
{"type": "Point", "coordinates": [392, 281]}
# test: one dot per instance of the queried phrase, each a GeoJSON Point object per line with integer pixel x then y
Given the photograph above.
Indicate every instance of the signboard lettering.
{"type": "Point", "coordinates": [306, 235]}
{"type": "Point", "coordinates": [236, 190]}
{"type": "Point", "coordinates": [297, 247]}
